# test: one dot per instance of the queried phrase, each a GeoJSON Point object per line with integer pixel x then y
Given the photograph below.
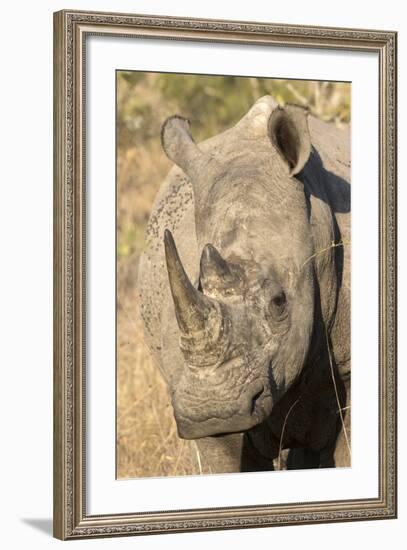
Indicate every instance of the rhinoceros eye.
{"type": "Point", "coordinates": [278, 304]}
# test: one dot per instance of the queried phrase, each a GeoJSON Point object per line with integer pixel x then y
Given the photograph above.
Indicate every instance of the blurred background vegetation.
{"type": "Point", "coordinates": [147, 442]}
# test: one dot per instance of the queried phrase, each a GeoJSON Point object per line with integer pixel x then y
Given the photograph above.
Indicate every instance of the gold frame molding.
{"type": "Point", "coordinates": [70, 31]}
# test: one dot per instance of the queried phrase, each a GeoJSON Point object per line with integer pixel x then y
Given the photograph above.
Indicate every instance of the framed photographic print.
{"type": "Point", "coordinates": [225, 274]}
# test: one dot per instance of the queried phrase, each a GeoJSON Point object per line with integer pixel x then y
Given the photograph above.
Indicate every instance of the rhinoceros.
{"type": "Point", "coordinates": [245, 289]}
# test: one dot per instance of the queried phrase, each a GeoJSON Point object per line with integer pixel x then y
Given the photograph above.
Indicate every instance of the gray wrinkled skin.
{"type": "Point", "coordinates": [244, 299]}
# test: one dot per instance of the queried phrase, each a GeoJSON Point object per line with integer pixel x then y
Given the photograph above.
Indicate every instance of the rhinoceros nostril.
{"type": "Point", "coordinates": [255, 398]}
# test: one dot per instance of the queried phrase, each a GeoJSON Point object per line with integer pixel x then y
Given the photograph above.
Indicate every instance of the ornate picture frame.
{"type": "Point", "coordinates": [71, 32]}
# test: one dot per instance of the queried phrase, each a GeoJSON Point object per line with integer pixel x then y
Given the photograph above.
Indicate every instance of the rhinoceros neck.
{"type": "Point", "coordinates": [330, 260]}
{"type": "Point", "coordinates": [330, 161]}
{"type": "Point", "coordinates": [325, 236]}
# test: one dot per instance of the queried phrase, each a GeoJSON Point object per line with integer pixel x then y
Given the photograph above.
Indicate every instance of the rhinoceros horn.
{"type": "Point", "coordinates": [195, 312]}
{"type": "Point", "coordinates": [214, 270]}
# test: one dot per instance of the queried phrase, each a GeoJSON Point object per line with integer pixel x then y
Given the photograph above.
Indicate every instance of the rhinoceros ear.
{"type": "Point", "coordinates": [288, 131]}
{"type": "Point", "coordinates": [179, 146]}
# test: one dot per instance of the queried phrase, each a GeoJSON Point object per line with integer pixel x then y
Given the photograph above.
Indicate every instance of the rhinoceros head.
{"type": "Point", "coordinates": [245, 325]}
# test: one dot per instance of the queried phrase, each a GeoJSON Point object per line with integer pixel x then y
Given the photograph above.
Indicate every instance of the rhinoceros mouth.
{"type": "Point", "coordinates": [252, 411]}
{"type": "Point", "coordinates": [217, 427]}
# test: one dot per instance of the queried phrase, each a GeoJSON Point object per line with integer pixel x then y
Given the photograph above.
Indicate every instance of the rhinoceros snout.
{"type": "Point", "coordinates": [214, 416]}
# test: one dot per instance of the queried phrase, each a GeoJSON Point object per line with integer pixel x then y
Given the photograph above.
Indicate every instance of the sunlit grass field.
{"type": "Point", "coordinates": [147, 441]}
